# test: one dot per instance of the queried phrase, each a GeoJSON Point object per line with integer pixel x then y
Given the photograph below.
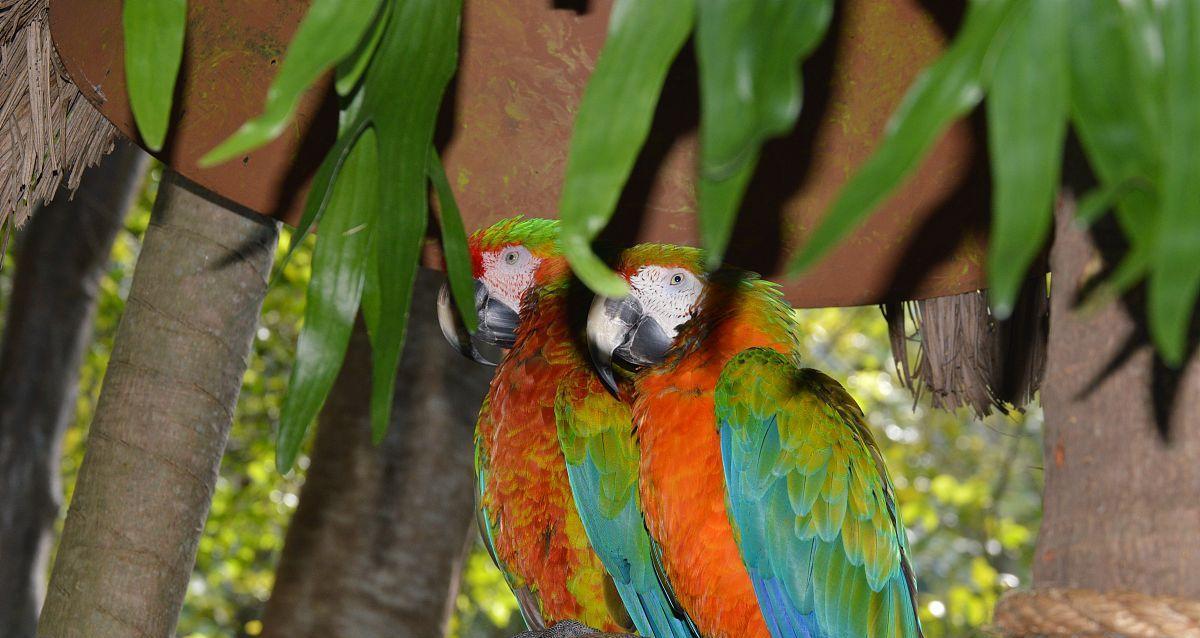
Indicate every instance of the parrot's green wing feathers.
{"type": "Point", "coordinates": [527, 602]}
{"type": "Point", "coordinates": [595, 430]}
{"type": "Point", "coordinates": [812, 503]}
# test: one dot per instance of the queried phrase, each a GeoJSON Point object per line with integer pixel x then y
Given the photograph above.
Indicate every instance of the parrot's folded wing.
{"type": "Point", "coordinates": [811, 503]}
{"type": "Point", "coordinates": [527, 602]}
{"type": "Point", "coordinates": [595, 430]}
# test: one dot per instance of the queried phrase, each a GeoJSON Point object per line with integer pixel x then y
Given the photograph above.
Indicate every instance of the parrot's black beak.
{"type": "Point", "coordinates": [455, 330]}
{"type": "Point", "coordinates": [497, 320]}
{"type": "Point", "coordinates": [619, 328]}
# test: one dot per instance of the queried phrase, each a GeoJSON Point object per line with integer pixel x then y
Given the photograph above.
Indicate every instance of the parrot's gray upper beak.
{"type": "Point", "coordinates": [455, 330]}
{"type": "Point", "coordinates": [498, 321]}
{"type": "Point", "coordinates": [620, 328]}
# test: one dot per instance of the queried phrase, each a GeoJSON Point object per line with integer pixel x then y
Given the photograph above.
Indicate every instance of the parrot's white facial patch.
{"type": "Point", "coordinates": [668, 295]}
{"type": "Point", "coordinates": [508, 273]}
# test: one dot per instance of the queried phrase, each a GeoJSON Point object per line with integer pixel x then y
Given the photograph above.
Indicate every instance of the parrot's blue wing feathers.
{"type": "Point", "coordinates": [602, 463]}
{"type": "Point", "coordinates": [811, 503]}
{"type": "Point", "coordinates": [628, 557]}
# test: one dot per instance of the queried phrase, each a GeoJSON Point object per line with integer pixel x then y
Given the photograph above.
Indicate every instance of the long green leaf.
{"type": "Point", "coordinates": [454, 244]}
{"type": "Point", "coordinates": [351, 69]}
{"type": "Point", "coordinates": [718, 202]}
{"type": "Point", "coordinates": [1116, 74]}
{"type": "Point", "coordinates": [1027, 116]}
{"type": "Point", "coordinates": [1175, 269]}
{"type": "Point", "coordinates": [403, 87]}
{"type": "Point", "coordinates": [943, 92]}
{"type": "Point", "coordinates": [331, 31]}
{"type": "Point", "coordinates": [1131, 269]}
{"type": "Point", "coordinates": [613, 121]}
{"type": "Point", "coordinates": [351, 124]}
{"type": "Point", "coordinates": [334, 292]}
{"type": "Point", "coordinates": [372, 305]}
{"type": "Point", "coordinates": [749, 53]}
{"type": "Point", "coordinates": [319, 193]}
{"type": "Point", "coordinates": [154, 32]}
{"type": "Point", "coordinates": [1093, 205]}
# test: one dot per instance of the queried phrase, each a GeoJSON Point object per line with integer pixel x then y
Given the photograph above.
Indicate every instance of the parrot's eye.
{"type": "Point", "coordinates": [676, 279]}
{"type": "Point", "coordinates": [511, 257]}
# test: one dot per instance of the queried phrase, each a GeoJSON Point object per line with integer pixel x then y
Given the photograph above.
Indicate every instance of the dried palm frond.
{"type": "Point", "coordinates": [965, 356]}
{"type": "Point", "coordinates": [48, 131]}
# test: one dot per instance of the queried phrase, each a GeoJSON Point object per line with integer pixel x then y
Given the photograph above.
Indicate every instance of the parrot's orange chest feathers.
{"type": "Point", "coordinates": [683, 484]}
{"type": "Point", "coordinates": [536, 530]}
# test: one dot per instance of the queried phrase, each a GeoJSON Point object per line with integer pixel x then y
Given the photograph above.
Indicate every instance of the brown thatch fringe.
{"type": "Point", "coordinates": [965, 357]}
{"type": "Point", "coordinates": [48, 131]}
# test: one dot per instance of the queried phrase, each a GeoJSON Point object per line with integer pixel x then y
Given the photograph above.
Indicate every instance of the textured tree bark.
{"type": "Point", "coordinates": [163, 418]}
{"type": "Point", "coordinates": [1122, 497]}
{"type": "Point", "coordinates": [62, 257]}
{"type": "Point", "coordinates": [376, 544]}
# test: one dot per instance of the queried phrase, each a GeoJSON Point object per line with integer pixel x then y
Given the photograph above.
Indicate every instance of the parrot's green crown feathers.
{"type": "Point", "coordinates": [634, 258]}
{"type": "Point", "coordinates": [540, 236]}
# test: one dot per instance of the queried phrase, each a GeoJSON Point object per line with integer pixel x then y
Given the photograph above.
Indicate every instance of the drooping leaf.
{"type": "Point", "coordinates": [612, 123]}
{"type": "Point", "coordinates": [1131, 269]}
{"type": "Point", "coordinates": [371, 303]}
{"type": "Point", "coordinates": [1094, 204]}
{"type": "Point", "coordinates": [749, 54]}
{"type": "Point", "coordinates": [717, 203]}
{"type": "Point", "coordinates": [1175, 268]}
{"type": "Point", "coordinates": [334, 292]}
{"type": "Point", "coordinates": [154, 31]}
{"type": "Point", "coordinates": [351, 69]}
{"type": "Point", "coordinates": [331, 31]}
{"type": "Point", "coordinates": [941, 93]}
{"type": "Point", "coordinates": [454, 244]}
{"type": "Point", "coordinates": [403, 90]}
{"type": "Point", "coordinates": [1115, 50]}
{"type": "Point", "coordinates": [319, 193]}
{"type": "Point", "coordinates": [1027, 115]}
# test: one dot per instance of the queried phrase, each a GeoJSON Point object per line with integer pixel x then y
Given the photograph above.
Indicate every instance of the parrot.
{"type": "Point", "coordinates": [763, 490]}
{"type": "Point", "coordinates": [555, 459]}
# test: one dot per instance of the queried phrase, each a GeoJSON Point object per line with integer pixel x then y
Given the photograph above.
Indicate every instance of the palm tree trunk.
{"type": "Point", "coordinates": [146, 483]}
{"type": "Point", "coordinates": [63, 255]}
{"type": "Point", "coordinates": [376, 544]}
{"type": "Point", "coordinates": [1122, 440]}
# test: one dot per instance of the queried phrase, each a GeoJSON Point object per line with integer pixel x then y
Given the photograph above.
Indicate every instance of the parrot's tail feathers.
{"type": "Point", "coordinates": [652, 617]}
{"type": "Point", "coordinates": [663, 621]}
{"type": "Point", "coordinates": [639, 612]}
{"type": "Point", "coordinates": [783, 619]}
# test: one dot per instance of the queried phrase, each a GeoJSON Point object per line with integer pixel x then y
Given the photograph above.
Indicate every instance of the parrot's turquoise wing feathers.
{"type": "Point", "coordinates": [812, 504]}
{"type": "Point", "coordinates": [526, 601]}
{"type": "Point", "coordinates": [602, 464]}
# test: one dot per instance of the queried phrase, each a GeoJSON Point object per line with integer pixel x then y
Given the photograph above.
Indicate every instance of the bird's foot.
{"type": "Point", "coordinates": [568, 629]}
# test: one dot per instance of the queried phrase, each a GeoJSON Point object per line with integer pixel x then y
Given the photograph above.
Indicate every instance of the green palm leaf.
{"type": "Point", "coordinates": [154, 32]}
{"type": "Point", "coordinates": [612, 124]}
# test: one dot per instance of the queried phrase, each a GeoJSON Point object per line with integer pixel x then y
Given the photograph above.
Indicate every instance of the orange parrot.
{"type": "Point", "coordinates": [760, 482]}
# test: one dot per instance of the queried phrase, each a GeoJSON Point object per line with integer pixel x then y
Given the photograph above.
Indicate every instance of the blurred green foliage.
{"type": "Point", "coordinates": [969, 489]}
